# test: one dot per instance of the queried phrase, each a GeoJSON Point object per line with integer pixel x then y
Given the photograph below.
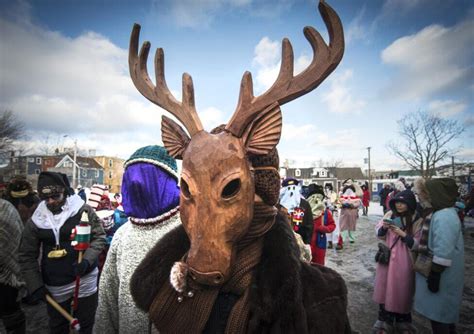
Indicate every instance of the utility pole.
{"type": "Point", "coordinates": [370, 178]}
{"type": "Point", "coordinates": [74, 166]}
{"type": "Point", "coordinates": [452, 164]}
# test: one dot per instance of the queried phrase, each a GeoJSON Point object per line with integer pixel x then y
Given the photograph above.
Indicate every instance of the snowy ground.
{"type": "Point", "coordinates": [356, 264]}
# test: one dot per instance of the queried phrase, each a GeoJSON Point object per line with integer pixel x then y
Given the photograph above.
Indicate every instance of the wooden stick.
{"type": "Point", "coordinates": [76, 289]}
{"type": "Point", "coordinates": [58, 308]}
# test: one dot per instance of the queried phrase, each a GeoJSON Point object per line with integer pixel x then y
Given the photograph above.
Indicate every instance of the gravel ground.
{"type": "Point", "coordinates": [356, 264]}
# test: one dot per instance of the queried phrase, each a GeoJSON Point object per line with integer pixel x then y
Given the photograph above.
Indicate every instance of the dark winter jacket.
{"type": "Point", "coordinates": [286, 296]}
{"type": "Point", "coordinates": [383, 193]}
{"type": "Point", "coordinates": [60, 271]}
{"type": "Point", "coordinates": [25, 205]}
{"type": "Point", "coordinates": [306, 230]}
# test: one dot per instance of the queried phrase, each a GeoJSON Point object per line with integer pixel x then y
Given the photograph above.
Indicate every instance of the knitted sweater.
{"type": "Point", "coordinates": [11, 227]}
{"type": "Point", "coordinates": [116, 312]}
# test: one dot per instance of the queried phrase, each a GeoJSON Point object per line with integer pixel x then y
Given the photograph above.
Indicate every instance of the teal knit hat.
{"type": "Point", "coordinates": [156, 155]}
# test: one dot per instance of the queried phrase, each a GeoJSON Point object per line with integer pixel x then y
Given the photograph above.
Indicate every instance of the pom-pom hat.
{"type": "Point", "coordinates": [156, 155]}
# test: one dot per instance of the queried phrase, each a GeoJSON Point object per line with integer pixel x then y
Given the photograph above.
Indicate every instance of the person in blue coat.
{"type": "Point", "coordinates": [438, 296]}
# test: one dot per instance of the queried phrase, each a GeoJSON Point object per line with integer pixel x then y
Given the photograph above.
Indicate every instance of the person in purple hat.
{"type": "Point", "coordinates": [150, 199]}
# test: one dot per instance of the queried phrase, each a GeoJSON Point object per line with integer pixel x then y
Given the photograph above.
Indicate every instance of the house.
{"type": "Point", "coordinates": [324, 175]}
{"type": "Point", "coordinates": [88, 171]}
{"type": "Point", "coordinates": [113, 171]}
{"type": "Point", "coordinates": [28, 165]}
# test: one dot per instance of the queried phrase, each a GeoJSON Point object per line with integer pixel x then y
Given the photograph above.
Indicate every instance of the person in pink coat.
{"type": "Point", "coordinates": [395, 282]}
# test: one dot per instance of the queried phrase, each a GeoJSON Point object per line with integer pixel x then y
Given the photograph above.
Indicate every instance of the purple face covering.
{"type": "Point", "coordinates": [148, 191]}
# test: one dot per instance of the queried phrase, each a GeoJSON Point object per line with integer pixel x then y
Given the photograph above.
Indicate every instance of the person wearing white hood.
{"type": "Point", "coordinates": [350, 202]}
{"type": "Point", "coordinates": [298, 208]}
{"type": "Point", "coordinates": [47, 233]}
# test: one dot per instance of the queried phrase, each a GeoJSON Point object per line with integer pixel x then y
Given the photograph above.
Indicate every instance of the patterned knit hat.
{"type": "Point", "coordinates": [52, 182]}
{"type": "Point", "coordinates": [97, 191]}
{"type": "Point", "coordinates": [19, 187]}
{"type": "Point", "coordinates": [156, 155]}
{"type": "Point", "coordinates": [267, 177]}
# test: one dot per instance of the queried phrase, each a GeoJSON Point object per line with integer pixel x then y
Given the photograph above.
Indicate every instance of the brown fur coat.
{"type": "Point", "coordinates": [287, 295]}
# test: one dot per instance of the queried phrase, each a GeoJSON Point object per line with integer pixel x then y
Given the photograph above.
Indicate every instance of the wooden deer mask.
{"type": "Point", "coordinates": [217, 186]}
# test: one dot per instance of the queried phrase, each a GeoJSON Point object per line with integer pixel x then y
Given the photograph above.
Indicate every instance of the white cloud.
{"type": "Point", "coordinates": [76, 86]}
{"type": "Point", "coordinates": [211, 117]}
{"type": "Point", "coordinates": [339, 98]}
{"type": "Point", "coordinates": [291, 132]}
{"type": "Point", "coordinates": [267, 61]}
{"type": "Point", "coordinates": [344, 139]}
{"type": "Point", "coordinates": [466, 154]}
{"type": "Point", "coordinates": [356, 30]}
{"type": "Point", "coordinates": [201, 14]}
{"type": "Point", "coordinates": [434, 60]}
{"type": "Point", "coordinates": [446, 108]}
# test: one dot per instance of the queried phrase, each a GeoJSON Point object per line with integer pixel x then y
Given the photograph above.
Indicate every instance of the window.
{"type": "Point", "coordinates": [297, 172]}
{"type": "Point", "coordinates": [110, 174]}
{"type": "Point", "coordinates": [31, 159]}
{"type": "Point", "coordinates": [37, 171]}
{"type": "Point", "coordinates": [323, 173]}
{"type": "Point", "coordinates": [97, 173]}
{"type": "Point", "coordinates": [38, 161]}
{"type": "Point", "coordinates": [111, 163]}
{"type": "Point", "coordinates": [15, 160]}
{"type": "Point", "coordinates": [84, 172]}
{"type": "Point", "coordinates": [67, 164]}
{"type": "Point", "coordinates": [17, 172]}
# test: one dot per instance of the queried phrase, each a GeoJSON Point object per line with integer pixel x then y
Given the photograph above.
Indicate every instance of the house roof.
{"type": "Point", "coordinates": [82, 162]}
{"type": "Point", "coordinates": [343, 173]}
{"type": "Point", "coordinates": [85, 162]}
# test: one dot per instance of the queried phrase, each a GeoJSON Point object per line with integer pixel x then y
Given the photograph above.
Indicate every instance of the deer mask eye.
{"type": "Point", "coordinates": [185, 189]}
{"type": "Point", "coordinates": [231, 189]}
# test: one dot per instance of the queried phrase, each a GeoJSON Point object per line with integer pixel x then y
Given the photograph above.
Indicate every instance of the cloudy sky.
{"type": "Point", "coordinates": [64, 70]}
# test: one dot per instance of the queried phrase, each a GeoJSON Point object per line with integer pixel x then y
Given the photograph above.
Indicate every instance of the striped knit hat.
{"type": "Point", "coordinates": [97, 191]}
{"type": "Point", "coordinates": [156, 155]}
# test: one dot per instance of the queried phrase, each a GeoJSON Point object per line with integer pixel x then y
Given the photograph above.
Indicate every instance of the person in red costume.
{"type": "Point", "coordinates": [323, 223]}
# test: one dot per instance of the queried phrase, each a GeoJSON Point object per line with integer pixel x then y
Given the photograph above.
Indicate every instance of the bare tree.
{"type": "Point", "coordinates": [426, 138]}
{"type": "Point", "coordinates": [334, 162]}
{"type": "Point", "coordinates": [11, 129]}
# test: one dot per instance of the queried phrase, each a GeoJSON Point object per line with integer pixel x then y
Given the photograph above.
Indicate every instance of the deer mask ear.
{"type": "Point", "coordinates": [174, 138]}
{"type": "Point", "coordinates": [264, 132]}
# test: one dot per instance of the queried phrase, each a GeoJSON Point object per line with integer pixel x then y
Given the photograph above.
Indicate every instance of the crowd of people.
{"type": "Point", "coordinates": [41, 263]}
{"type": "Point", "coordinates": [424, 266]}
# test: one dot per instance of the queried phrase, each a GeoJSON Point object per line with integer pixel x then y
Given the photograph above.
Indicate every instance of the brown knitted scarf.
{"type": "Point", "coordinates": [423, 247]}
{"type": "Point", "coordinates": [191, 314]}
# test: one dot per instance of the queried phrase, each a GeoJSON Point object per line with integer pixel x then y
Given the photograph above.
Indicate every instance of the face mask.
{"type": "Point", "coordinates": [56, 205]}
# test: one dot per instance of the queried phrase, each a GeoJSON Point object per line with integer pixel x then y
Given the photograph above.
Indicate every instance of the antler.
{"type": "Point", "coordinates": [160, 94]}
{"type": "Point", "coordinates": [288, 87]}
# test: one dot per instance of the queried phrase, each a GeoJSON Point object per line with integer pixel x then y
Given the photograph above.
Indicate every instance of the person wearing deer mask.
{"type": "Point", "coordinates": [150, 195]}
{"type": "Point", "coordinates": [48, 233]}
{"type": "Point", "coordinates": [163, 283]}
{"type": "Point", "coordinates": [234, 266]}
